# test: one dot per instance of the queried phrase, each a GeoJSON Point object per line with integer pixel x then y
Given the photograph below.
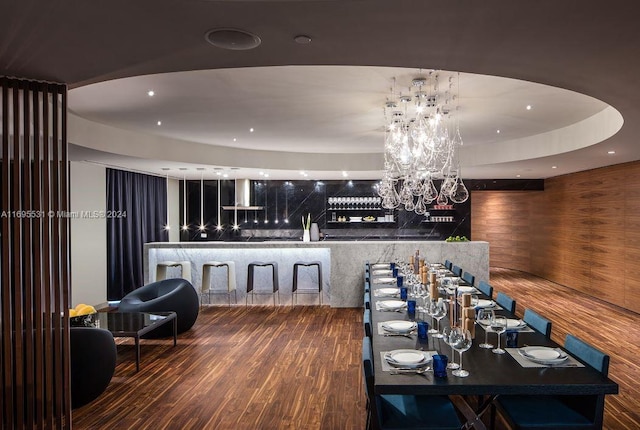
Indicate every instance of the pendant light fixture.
{"type": "Point", "coordinates": [185, 226]}
{"type": "Point", "coordinates": [286, 202]}
{"type": "Point", "coordinates": [167, 226]}
{"type": "Point", "coordinates": [266, 202]}
{"type": "Point", "coordinates": [219, 226]}
{"type": "Point", "coordinates": [276, 220]}
{"type": "Point", "coordinates": [202, 226]}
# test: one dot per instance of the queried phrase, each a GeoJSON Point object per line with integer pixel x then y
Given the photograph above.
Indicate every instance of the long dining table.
{"type": "Point", "coordinates": [490, 374]}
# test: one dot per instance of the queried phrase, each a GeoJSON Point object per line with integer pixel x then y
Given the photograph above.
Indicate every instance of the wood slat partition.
{"type": "Point", "coordinates": [34, 293]}
{"type": "Point", "coordinates": [581, 231]}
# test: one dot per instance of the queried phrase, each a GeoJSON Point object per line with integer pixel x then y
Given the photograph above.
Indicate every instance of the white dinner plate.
{"type": "Point", "coordinates": [392, 304]}
{"type": "Point", "coordinates": [388, 292]}
{"type": "Point", "coordinates": [383, 272]}
{"type": "Point", "coordinates": [384, 280]}
{"type": "Point", "coordinates": [465, 289]}
{"type": "Point", "coordinates": [511, 324]}
{"type": "Point", "coordinates": [399, 326]}
{"type": "Point", "coordinates": [484, 303]}
{"type": "Point", "coordinates": [543, 354]}
{"type": "Point", "coordinates": [407, 358]}
{"type": "Point", "coordinates": [381, 266]}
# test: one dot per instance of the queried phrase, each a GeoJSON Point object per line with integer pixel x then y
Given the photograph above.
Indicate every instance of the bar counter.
{"type": "Point", "coordinates": [342, 263]}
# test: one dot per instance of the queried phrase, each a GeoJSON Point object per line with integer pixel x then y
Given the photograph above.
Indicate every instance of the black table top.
{"type": "Point", "coordinates": [489, 373]}
{"type": "Point", "coordinates": [131, 324]}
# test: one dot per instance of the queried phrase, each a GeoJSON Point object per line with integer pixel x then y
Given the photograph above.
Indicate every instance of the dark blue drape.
{"type": "Point", "coordinates": [144, 198]}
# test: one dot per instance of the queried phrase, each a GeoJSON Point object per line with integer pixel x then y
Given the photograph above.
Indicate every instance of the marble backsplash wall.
{"type": "Point", "coordinates": [285, 203]}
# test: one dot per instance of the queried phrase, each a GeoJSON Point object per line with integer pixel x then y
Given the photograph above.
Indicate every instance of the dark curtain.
{"type": "Point", "coordinates": [144, 199]}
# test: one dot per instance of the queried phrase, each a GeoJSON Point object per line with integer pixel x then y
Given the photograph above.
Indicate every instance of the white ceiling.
{"type": "Point", "coordinates": [318, 107]}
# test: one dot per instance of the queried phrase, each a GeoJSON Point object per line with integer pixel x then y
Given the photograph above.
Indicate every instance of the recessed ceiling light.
{"type": "Point", "coordinates": [611, 152]}
{"type": "Point", "coordinates": [528, 107]}
{"type": "Point", "coordinates": [226, 175]}
{"type": "Point", "coordinates": [261, 173]}
{"type": "Point", "coordinates": [219, 173]}
{"type": "Point", "coordinates": [517, 176]}
{"type": "Point", "coordinates": [554, 167]}
{"type": "Point", "coordinates": [498, 131]}
{"type": "Point", "coordinates": [151, 93]}
{"type": "Point", "coordinates": [302, 39]}
{"type": "Point", "coordinates": [159, 122]}
{"type": "Point", "coordinates": [266, 175]}
{"type": "Point", "coordinates": [234, 139]}
{"type": "Point", "coordinates": [251, 130]}
{"type": "Point", "coordinates": [344, 174]}
{"type": "Point", "coordinates": [302, 172]}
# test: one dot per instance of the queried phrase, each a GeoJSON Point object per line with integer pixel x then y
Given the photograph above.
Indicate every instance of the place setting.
{"type": "Point", "coordinates": [518, 325]}
{"type": "Point", "coordinates": [382, 272]}
{"type": "Point", "coordinates": [397, 328]}
{"type": "Point", "coordinates": [406, 361]}
{"type": "Point", "coordinates": [486, 304]}
{"type": "Point", "coordinates": [542, 356]}
{"type": "Point", "coordinates": [385, 280]}
{"type": "Point", "coordinates": [387, 292]}
{"type": "Point", "coordinates": [391, 305]}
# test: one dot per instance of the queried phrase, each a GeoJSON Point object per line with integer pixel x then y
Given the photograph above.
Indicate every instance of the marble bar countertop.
{"type": "Point", "coordinates": [342, 262]}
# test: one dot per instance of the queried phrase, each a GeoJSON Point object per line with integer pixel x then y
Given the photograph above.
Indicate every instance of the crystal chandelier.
{"type": "Point", "coordinates": [422, 140]}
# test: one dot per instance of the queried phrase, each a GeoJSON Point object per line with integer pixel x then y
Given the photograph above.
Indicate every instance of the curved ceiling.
{"type": "Point", "coordinates": [578, 45]}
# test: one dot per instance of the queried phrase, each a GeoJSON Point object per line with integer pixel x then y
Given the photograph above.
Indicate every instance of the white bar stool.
{"type": "Point", "coordinates": [207, 269]}
{"type": "Point", "coordinates": [162, 266]}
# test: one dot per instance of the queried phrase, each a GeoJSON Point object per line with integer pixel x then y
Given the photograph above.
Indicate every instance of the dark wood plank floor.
{"type": "Point", "coordinates": [241, 368]}
{"type": "Point", "coordinates": [299, 368]}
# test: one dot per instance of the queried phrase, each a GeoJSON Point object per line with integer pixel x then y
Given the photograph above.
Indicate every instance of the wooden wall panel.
{"type": "Point", "coordinates": [503, 220]}
{"type": "Point", "coordinates": [34, 358]}
{"type": "Point", "coordinates": [582, 231]}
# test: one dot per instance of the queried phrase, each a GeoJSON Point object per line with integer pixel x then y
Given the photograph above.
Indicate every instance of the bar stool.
{"type": "Point", "coordinates": [162, 266]}
{"type": "Point", "coordinates": [294, 289]}
{"type": "Point", "coordinates": [207, 269]}
{"type": "Point", "coordinates": [250, 274]}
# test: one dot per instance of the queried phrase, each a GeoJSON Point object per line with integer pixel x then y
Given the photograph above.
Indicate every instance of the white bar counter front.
{"type": "Point", "coordinates": [342, 263]}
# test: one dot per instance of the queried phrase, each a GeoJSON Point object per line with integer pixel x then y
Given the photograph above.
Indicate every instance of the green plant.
{"type": "Point", "coordinates": [306, 225]}
{"type": "Point", "coordinates": [456, 239]}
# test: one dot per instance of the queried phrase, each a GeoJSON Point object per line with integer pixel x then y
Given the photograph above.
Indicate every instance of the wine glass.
{"type": "Point", "coordinates": [499, 326]}
{"type": "Point", "coordinates": [439, 312]}
{"type": "Point", "coordinates": [447, 332]}
{"type": "Point", "coordinates": [484, 319]}
{"type": "Point", "coordinates": [461, 341]}
{"type": "Point", "coordinates": [431, 310]}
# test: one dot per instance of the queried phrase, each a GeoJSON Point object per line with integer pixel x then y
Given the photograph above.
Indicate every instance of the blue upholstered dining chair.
{"type": "Point", "coordinates": [366, 322]}
{"type": "Point", "coordinates": [457, 270]}
{"type": "Point", "coordinates": [559, 412]}
{"type": "Point", "coordinates": [367, 300]}
{"type": "Point", "coordinates": [469, 278]}
{"type": "Point", "coordinates": [506, 302]}
{"type": "Point", "coordinates": [485, 289]}
{"type": "Point", "coordinates": [448, 264]}
{"type": "Point", "coordinates": [396, 411]}
{"type": "Point", "coordinates": [537, 322]}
